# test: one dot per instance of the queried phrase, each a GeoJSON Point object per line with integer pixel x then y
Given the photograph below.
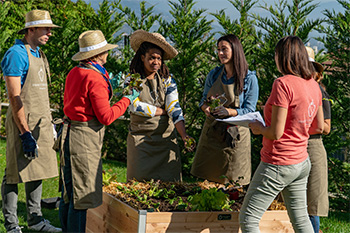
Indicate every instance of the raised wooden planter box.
{"type": "Point", "coordinates": [116, 216]}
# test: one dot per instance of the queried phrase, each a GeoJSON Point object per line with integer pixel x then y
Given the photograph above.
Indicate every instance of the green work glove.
{"type": "Point", "coordinates": [133, 96]}
{"type": "Point", "coordinates": [115, 80]}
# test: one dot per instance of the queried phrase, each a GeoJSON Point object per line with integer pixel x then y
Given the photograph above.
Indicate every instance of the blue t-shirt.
{"type": "Point", "coordinates": [16, 61]}
{"type": "Point", "coordinates": [247, 99]}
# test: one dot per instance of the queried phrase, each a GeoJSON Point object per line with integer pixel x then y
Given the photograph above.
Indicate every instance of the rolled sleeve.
{"type": "Point", "coordinates": [172, 105]}
{"type": "Point", "coordinates": [249, 96]}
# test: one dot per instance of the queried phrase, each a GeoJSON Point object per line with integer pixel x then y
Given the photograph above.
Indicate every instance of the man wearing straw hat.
{"type": "Point", "coordinates": [29, 154]}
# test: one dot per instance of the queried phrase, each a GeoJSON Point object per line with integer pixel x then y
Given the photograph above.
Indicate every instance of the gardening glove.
{"type": "Point", "coordinates": [133, 95]}
{"type": "Point", "coordinates": [30, 148]}
{"type": "Point", "coordinates": [115, 80]}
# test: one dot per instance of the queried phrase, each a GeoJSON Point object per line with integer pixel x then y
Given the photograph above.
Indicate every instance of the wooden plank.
{"type": "Point", "coordinates": [187, 216]}
{"type": "Point", "coordinates": [193, 227]}
{"type": "Point", "coordinates": [115, 216]}
{"type": "Point", "coordinates": [112, 216]}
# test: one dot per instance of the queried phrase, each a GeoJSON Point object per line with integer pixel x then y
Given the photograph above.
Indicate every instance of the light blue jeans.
{"type": "Point", "coordinates": [267, 182]}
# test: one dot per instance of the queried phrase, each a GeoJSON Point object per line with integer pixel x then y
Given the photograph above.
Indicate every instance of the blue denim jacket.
{"type": "Point", "coordinates": [247, 99]}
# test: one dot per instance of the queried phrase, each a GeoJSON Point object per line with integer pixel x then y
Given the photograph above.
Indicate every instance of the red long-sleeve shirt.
{"type": "Point", "coordinates": [86, 96]}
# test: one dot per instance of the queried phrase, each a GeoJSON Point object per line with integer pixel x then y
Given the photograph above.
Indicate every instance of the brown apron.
{"type": "Point", "coordinates": [85, 145]}
{"type": "Point", "coordinates": [35, 99]}
{"type": "Point", "coordinates": [223, 150]}
{"type": "Point", "coordinates": [152, 151]}
{"type": "Point", "coordinates": [317, 186]}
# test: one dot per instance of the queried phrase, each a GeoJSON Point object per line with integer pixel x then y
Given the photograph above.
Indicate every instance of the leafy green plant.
{"type": "Point", "coordinates": [107, 177]}
{"type": "Point", "coordinates": [209, 200]}
{"type": "Point", "coordinates": [338, 185]}
{"type": "Point", "coordinates": [135, 82]}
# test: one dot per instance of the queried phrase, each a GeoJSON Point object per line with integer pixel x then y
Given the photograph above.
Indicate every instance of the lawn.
{"type": "Point", "coordinates": [337, 222]}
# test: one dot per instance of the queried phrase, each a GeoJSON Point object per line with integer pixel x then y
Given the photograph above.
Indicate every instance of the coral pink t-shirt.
{"type": "Point", "coordinates": [302, 98]}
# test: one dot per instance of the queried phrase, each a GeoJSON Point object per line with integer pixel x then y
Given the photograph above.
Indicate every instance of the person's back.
{"type": "Point", "coordinates": [301, 97]}
{"type": "Point", "coordinates": [294, 105]}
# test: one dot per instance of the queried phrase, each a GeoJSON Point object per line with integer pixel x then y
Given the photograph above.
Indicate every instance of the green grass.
{"type": "Point", "coordinates": [50, 189]}
{"type": "Point", "coordinates": [337, 222]}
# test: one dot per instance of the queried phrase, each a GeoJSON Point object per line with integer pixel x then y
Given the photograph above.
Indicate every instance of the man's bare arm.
{"type": "Point", "coordinates": [13, 84]}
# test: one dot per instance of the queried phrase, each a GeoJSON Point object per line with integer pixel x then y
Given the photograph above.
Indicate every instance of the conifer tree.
{"type": "Point", "coordinates": [285, 19]}
{"type": "Point", "coordinates": [336, 40]}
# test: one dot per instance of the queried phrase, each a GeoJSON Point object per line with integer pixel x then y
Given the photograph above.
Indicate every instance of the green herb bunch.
{"type": "Point", "coordinates": [216, 101]}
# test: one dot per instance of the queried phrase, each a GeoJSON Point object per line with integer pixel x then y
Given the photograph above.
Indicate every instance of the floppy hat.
{"type": "Point", "coordinates": [92, 43]}
{"type": "Point", "coordinates": [311, 54]}
{"type": "Point", "coordinates": [37, 18]}
{"type": "Point", "coordinates": [140, 36]}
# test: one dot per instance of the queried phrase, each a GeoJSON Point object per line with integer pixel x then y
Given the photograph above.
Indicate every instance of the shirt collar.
{"type": "Point", "coordinates": [20, 42]}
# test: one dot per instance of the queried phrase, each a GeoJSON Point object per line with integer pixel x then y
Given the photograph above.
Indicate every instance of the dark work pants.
{"type": "Point", "coordinates": [72, 220]}
{"type": "Point", "coordinates": [9, 193]}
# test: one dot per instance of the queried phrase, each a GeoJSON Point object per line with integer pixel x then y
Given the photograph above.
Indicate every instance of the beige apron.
{"type": "Point", "coordinates": [35, 99]}
{"type": "Point", "coordinates": [317, 186]}
{"type": "Point", "coordinates": [223, 150]}
{"type": "Point", "coordinates": [152, 151]}
{"type": "Point", "coordinates": [85, 145]}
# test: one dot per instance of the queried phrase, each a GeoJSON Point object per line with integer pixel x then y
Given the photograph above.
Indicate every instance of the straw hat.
{"type": "Point", "coordinates": [92, 43]}
{"type": "Point", "coordinates": [311, 53]}
{"type": "Point", "coordinates": [36, 19]}
{"type": "Point", "coordinates": [140, 36]}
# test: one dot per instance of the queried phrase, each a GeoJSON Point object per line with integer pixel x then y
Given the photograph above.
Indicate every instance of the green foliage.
{"type": "Point", "coordinates": [336, 40]}
{"type": "Point", "coordinates": [108, 177]}
{"type": "Point", "coordinates": [145, 21]}
{"type": "Point", "coordinates": [135, 82]}
{"type": "Point", "coordinates": [338, 185]}
{"type": "Point", "coordinates": [209, 200]}
{"type": "Point", "coordinates": [285, 19]}
{"type": "Point", "coordinates": [214, 102]}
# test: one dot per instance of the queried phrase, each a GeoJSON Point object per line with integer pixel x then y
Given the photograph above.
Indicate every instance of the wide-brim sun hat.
{"type": "Point", "coordinates": [319, 68]}
{"type": "Point", "coordinates": [36, 19]}
{"type": "Point", "coordinates": [92, 43]}
{"type": "Point", "coordinates": [140, 36]}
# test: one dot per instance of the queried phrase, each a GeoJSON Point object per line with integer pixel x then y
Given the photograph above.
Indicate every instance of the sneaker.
{"type": "Point", "coordinates": [15, 230]}
{"type": "Point", "coordinates": [45, 225]}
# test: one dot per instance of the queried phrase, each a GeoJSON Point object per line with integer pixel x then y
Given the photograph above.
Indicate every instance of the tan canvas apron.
{"type": "Point", "coordinates": [85, 144]}
{"type": "Point", "coordinates": [35, 99]}
{"type": "Point", "coordinates": [152, 151]}
{"type": "Point", "coordinates": [214, 158]}
{"type": "Point", "coordinates": [317, 186]}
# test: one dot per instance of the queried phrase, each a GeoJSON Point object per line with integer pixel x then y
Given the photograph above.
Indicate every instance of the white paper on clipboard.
{"type": "Point", "coordinates": [244, 120]}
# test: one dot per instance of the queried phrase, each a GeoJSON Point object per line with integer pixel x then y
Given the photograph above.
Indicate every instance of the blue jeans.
{"type": "Point", "coordinates": [267, 182]}
{"type": "Point", "coordinates": [72, 220]}
{"type": "Point", "coordinates": [315, 221]}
